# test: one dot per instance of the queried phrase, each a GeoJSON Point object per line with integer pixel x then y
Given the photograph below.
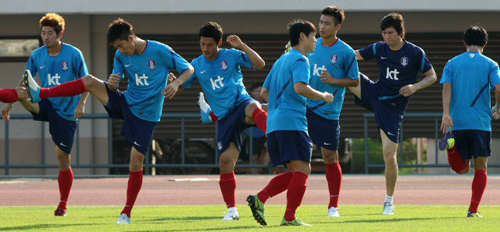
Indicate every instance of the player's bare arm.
{"type": "Point", "coordinates": [344, 82]}
{"type": "Point", "coordinates": [80, 108]}
{"type": "Point", "coordinates": [358, 55]}
{"type": "Point", "coordinates": [308, 92]}
{"type": "Point", "coordinates": [496, 112]}
{"type": "Point", "coordinates": [447, 121]}
{"type": "Point", "coordinates": [172, 88]}
{"type": "Point", "coordinates": [430, 78]}
{"type": "Point", "coordinates": [264, 93]}
{"type": "Point", "coordinates": [235, 42]}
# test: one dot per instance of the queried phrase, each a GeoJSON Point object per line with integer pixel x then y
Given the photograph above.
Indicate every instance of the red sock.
{"type": "Point", "coordinates": [276, 186]}
{"type": "Point", "coordinates": [68, 89]}
{"type": "Point", "coordinates": [457, 162]}
{"type": "Point", "coordinates": [334, 179]}
{"type": "Point", "coordinates": [478, 187]}
{"type": "Point", "coordinates": [8, 95]}
{"type": "Point", "coordinates": [227, 185]}
{"type": "Point", "coordinates": [65, 182]}
{"type": "Point", "coordinates": [260, 118]}
{"type": "Point", "coordinates": [214, 117]}
{"type": "Point", "coordinates": [134, 186]}
{"type": "Point", "coordinates": [295, 193]}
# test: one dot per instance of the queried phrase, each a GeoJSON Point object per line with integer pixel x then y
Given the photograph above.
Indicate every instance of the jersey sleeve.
{"type": "Point", "coordinates": [175, 61]}
{"type": "Point", "coordinates": [425, 64]}
{"type": "Point", "coordinates": [351, 67]}
{"type": "Point", "coordinates": [494, 76]}
{"type": "Point", "coordinates": [242, 58]}
{"type": "Point", "coordinates": [447, 73]}
{"type": "Point", "coordinates": [301, 71]}
{"type": "Point", "coordinates": [369, 52]}
{"type": "Point", "coordinates": [31, 65]}
{"type": "Point", "coordinates": [193, 77]}
{"type": "Point", "coordinates": [267, 82]}
{"type": "Point", "coordinates": [118, 65]}
{"type": "Point", "coordinates": [80, 65]}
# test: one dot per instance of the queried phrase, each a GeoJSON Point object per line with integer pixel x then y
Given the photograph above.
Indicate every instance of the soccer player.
{"type": "Point", "coordinates": [147, 63]}
{"type": "Point", "coordinates": [56, 63]}
{"type": "Point", "coordinates": [399, 63]}
{"type": "Point", "coordinates": [467, 80]}
{"type": "Point", "coordinates": [333, 68]}
{"type": "Point", "coordinates": [286, 89]}
{"type": "Point", "coordinates": [219, 72]}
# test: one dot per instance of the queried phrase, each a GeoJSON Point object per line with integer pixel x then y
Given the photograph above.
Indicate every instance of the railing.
{"type": "Point", "coordinates": [147, 166]}
{"type": "Point", "coordinates": [435, 116]}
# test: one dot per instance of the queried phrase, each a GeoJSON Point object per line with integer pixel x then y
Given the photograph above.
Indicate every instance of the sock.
{"type": "Point", "coordinates": [8, 95]}
{"type": "Point", "coordinates": [133, 189]}
{"type": "Point", "coordinates": [227, 185]}
{"type": "Point", "coordinates": [478, 187]}
{"type": "Point", "coordinates": [260, 118]}
{"type": "Point", "coordinates": [295, 193]}
{"type": "Point", "coordinates": [214, 117]}
{"type": "Point", "coordinates": [389, 199]}
{"type": "Point", "coordinates": [276, 186]}
{"type": "Point", "coordinates": [65, 181]}
{"type": "Point", "coordinates": [334, 179]}
{"type": "Point", "coordinates": [68, 89]}
{"type": "Point", "coordinates": [457, 162]}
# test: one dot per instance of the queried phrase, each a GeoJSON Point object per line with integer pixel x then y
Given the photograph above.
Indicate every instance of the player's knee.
{"type": "Point", "coordinates": [390, 159]}
{"type": "Point", "coordinates": [464, 171]}
{"type": "Point", "coordinates": [330, 157]}
{"type": "Point", "coordinates": [251, 107]}
{"type": "Point", "coordinates": [89, 81]}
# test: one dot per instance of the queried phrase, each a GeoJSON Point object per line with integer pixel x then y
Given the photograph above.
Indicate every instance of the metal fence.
{"type": "Point", "coordinates": [7, 166]}
{"type": "Point", "coordinates": [432, 116]}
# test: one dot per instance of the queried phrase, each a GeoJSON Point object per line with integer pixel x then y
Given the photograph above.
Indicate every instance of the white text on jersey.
{"type": "Point", "coordinates": [317, 70]}
{"type": "Point", "coordinates": [141, 80]}
{"type": "Point", "coordinates": [54, 80]}
{"type": "Point", "coordinates": [217, 83]}
{"type": "Point", "coordinates": [392, 74]}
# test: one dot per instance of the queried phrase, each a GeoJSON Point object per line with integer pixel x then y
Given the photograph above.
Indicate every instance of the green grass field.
{"type": "Point", "coordinates": [208, 218]}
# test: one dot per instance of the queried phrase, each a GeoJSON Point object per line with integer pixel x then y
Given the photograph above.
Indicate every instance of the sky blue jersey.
{"type": "Point", "coordinates": [339, 59]}
{"type": "Point", "coordinates": [68, 65]}
{"type": "Point", "coordinates": [148, 76]}
{"type": "Point", "coordinates": [221, 79]}
{"type": "Point", "coordinates": [471, 75]}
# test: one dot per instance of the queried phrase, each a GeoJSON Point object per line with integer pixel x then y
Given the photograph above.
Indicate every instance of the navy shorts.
{"type": "Point", "coordinates": [286, 146]}
{"type": "Point", "coordinates": [139, 132]}
{"type": "Point", "coordinates": [61, 130]}
{"type": "Point", "coordinates": [230, 127]}
{"type": "Point", "coordinates": [389, 111]}
{"type": "Point", "coordinates": [473, 143]}
{"type": "Point", "coordinates": [323, 132]}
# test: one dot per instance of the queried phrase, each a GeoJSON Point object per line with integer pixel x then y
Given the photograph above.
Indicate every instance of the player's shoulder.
{"type": "Point", "coordinates": [39, 51]}
{"type": "Point", "coordinates": [344, 47]}
{"type": "Point", "coordinates": [70, 49]}
{"type": "Point", "coordinates": [158, 45]}
{"type": "Point", "coordinates": [413, 47]}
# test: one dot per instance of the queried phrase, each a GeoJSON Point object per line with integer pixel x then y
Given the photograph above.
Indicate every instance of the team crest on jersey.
{"type": "Point", "coordinates": [65, 65]}
{"type": "Point", "coordinates": [334, 59]}
{"type": "Point", "coordinates": [223, 65]}
{"type": "Point", "coordinates": [152, 64]}
{"type": "Point", "coordinates": [404, 60]}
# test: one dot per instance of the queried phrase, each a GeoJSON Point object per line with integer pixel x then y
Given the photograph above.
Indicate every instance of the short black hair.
{"type": "Point", "coordinates": [336, 12]}
{"type": "Point", "coordinates": [394, 20]}
{"type": "Point", "coordinates": [254, 86]}
{"type": "Point", "coordinates": [475, 35]}
{"type": "Point", "coordinates": [119, 29]}
{"type": "Point", "coordinates": [212, 30]}
{"type": "Point", "coordinates": [297, 26]}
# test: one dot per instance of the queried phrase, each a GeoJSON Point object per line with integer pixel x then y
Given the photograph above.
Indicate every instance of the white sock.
{"type": "Point", "coordinates": [232, 210]}
{"type": "Point", "coordinates": [389, 199]}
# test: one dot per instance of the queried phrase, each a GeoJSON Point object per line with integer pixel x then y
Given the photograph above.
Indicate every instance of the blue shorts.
{"type": "Point", "coordinates": [61, 130]}
{"type": "Point", "coordinates": [286, 146]}
{"type": "Point", "coordinates": [389, 111]}
{"type": "Point", "coordinates": [473, 143]}
{"type": "Point", "coordinates": [139, 133]}
{"type": "Point", "coordinates": [230, 127]}
{"type": "Point", "coordinates": [323, 132]}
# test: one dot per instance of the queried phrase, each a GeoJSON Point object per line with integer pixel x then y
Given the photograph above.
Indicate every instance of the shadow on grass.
{"type": "Point", "coordinates": [256, 227]}
{"type": "Point", "coordinates": [386, 220]}
{"type": "Point", "coordinates": [178, 219]}
{"type": "Point", "coordinates": [42, 226]}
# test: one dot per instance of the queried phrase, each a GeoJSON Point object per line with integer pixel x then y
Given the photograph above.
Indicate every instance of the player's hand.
{"type": "Point", "coordinates": [114, 81]}
{"type": "Point", "coordinates": [408, 90]}
{"type": "Point", "coordinates": [327, 78]}
{"type": "Point", "coordinates": [80, 110]}
{"type": "Point", "coordinates": [328, 97]}
{"type": "Point", "coordinates": [234, 41]}
{"type": "Point", "coordinates": [5, 111]}
{"type": "Point", "coordinates": [171, 78]}
{"type": "Point", "coordinates": [264, 106]}
{"type": "Point", "coordinates": [495, 112]}
{"type": "Point", "coordinates": [171, 89]}
{"type": "Point", "coordinates": [446, 123]}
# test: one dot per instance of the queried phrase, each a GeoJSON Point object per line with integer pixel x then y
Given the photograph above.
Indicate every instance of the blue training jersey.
{"type": "Point", "coordinates": [68, 65]}
{"type": "Point", "coordinates": [287, 108]}
{"type": "Point", "coordinates": [221, 79]}
{"type": "Point", "coordinates": [471, 75]}
{"type": "Point", "coordinates": [340, 61]}
{"type": "Point", "coordinates": [148, 76]}
{"type": "Point", "coordinates": [397, 68]}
